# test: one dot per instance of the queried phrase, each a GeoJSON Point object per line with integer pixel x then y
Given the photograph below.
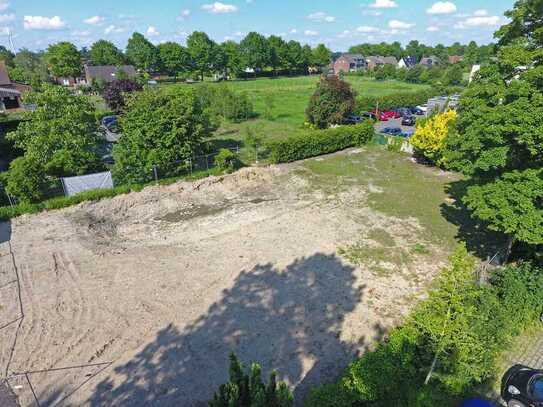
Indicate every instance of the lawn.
{"type": "Point", "coordinates": [289, 97]}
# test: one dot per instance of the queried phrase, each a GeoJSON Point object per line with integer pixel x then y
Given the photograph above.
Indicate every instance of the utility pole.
{"type": "Point", "coordinates": [11, 40]}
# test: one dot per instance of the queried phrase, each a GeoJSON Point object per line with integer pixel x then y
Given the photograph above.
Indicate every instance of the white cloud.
{"type": "Point", "coordinates": [432, 28]}
{"type": "Point", "coordinates": [4, 5]}
{"type": "Point", "coordinates": [481, 21]}
{"type": "Point", "coordinates": [43, 23]}
{"type": "Point", "coordinates": [366, 29]}
{"type": "Point", "coordinates": [95, 20]}
{"type": "Point", "coordinates": [5, 18]}
{"type": "Point", "coordinates": [219, 8]}
{"type": "Point", "coordinates": [372, 13]}
{"type": "Point", "coordinates": [399, 25]}
{"type": "Point", "coordinates": [82, 33]}
{"type": "Point", "coordinates": [442, 7]}
{"type": "Point", "coordinates": [185, 13]}
{"type": "Point", "coordinates": [480, 13]}
{"type": "Point", "coordinates": [321, 17]}
{"type": "Point", "coordinates": [293, 31]}
{"type": "Point", "coordinates": [112, 29]}
{"type": "Point", "coordinates": [311, 33]}
{"type": "Point", "coordinates": [384, 4]}
{"type": "Point", "coordinates": [152, 31]}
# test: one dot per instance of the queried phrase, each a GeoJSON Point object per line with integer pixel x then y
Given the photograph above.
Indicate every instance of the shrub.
{"type": "Point", "coordinates": [247, 389]}
{"type": "Point", "coordinates": [223, 102]}
{"type": "Point", "coordinates": [25, 180]}
{"type": "Point", "coordinates": [431, 134]}
{"type": "Point", "coordinates": [318, 142]}
{"type": "Point", "coordinates": [227, 160]}
{"type": "Point", "coordinates": [394, 101]}
{"type": "Point", "coordinates": [114, 93]}
{"type": "Point", "coordinates": [331, 103]}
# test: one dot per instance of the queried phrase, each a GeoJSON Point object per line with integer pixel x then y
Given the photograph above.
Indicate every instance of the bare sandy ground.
{"type": "Point", "coordinates": [161, 285]}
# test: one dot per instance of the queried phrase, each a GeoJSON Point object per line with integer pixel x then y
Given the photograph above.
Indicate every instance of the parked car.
{"type": "Point", "coordinates": [352, 120]}
{"type": "Point", "coordinates": [523, 387]}
{"type": "Point", "coordinates": [423, 108]}
{"type": "Point", "coordinates": [408, 121]}
{"type": "Point", "coordinates": [407, 133]}
{"type": "Point", "coordinates": [110, 129]}
{"type": "Point", "coordinates": [403, 111]}
{"type": "Point", "coordinates": [381, 115]}
{"type": "Point", "coordinates": [393, 131]}
{"type": "Point", "coordinates": [369, 115]}
{"type": "Point", "coordinates": [417, 111]}
{"type": "Point", "coordinates": [392, 114]}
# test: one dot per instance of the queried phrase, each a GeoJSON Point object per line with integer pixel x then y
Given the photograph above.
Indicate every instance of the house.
{"type": "Point", "coordinates": [375, 61]}
{"type": "Point", "coordinates": [107, 73]}
{"type": "Point", "coordinates": [10, 92]}
{"type": "Point", "coordinates": [454, 59]}
{"type": "Point", "coordinates": [349, 63]}
{"type": "Point", "coordinates": [407, 62]}
{"type": "Point", "coordinates": [430, 61]}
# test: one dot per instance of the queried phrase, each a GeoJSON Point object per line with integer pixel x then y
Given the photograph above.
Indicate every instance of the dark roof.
{"type": "Point", "coordinates": [9, 92]}
{"type": "Point", "coordinates": [352, 57]}
{"type": "Point", "coordinates": [4, 76]}
{"type": "Point", "coordinates": [107, 72]}
{"type": "Point", "coordinates": [7, 398]}
{"type": "Point", "coordinates": [410, 60]}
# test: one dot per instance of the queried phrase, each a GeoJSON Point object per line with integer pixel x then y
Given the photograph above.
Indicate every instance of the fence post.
{"type": "Point", "coordinates": [207, 162]}
{"type": "Point", "coordinates": [155, 173]}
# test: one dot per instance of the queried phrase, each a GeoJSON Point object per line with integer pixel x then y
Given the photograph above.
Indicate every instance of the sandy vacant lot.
{"type": "Point", "coordinates": [161, 285]}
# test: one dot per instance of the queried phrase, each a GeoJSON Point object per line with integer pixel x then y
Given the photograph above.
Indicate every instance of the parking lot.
{"type": "Point", "coordinates": [380, 126]}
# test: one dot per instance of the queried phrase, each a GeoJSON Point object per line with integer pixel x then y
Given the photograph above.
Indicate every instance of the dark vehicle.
{"type": "Point", "coordinates": [408, 121]}
{"type": "Point", "coordinates": [404, 111]}
{"type": "Point", "coordinates": [523, 387]}
{"type": "Point", "coordinates": [352, 120]}
{"type": "Point", "coordinates": [111, 130]}
{"type": "Point", "coordinates": [407, 133]}
{"type": "Point", "coordinates": [393, 131]}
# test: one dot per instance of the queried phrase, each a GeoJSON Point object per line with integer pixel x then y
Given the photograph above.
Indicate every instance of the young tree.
{"type": "Point", "coordinates": [103, 52]}
{"type": "Point", "coordinates": [160, 128]}
{"type": "Point", "coordinates": [255, 51]}
{"type": "Point", "coordinates": [142, 53]}
{"type": "Point", "coordinates": [276, 48]}
{"type": "Point", "coordinates": [115, 92]}
{"type": "Point", "coordinates": [294, 56]}
{"type": "Point", "coordinates": [202, 52]}
{"type": "Point", "coordinates": [63, 60]}
{"type": "Point", "coordinates": [331, 103]}
{"type": "Point", "coordinates": [322, 56]}
{"type": "Point", "coordinates": [30, 68]}
{"type": "Point", "coordinates": [234, 65]}
{"type": "Point", "coordinates": [246, 389]}
{"type": "Point", "coordinates": [57, 139]}
{"type": "Point", "coordinates": [174, 58]}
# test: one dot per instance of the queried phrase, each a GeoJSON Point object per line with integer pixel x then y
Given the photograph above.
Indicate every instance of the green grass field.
{"type": "Point", "coordinates": [290, 97]}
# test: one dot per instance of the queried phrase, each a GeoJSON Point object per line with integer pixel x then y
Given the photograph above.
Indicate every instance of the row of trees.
{"type": "Point", "coordinates": [447, 75]}
{"type": "Point", "coordinates": [201, 55]}
{"type": "Point", "coordinates": [472, 52]}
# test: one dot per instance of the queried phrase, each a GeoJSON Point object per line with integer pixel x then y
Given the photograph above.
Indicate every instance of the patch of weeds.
{"type": "Point", "coordinates": [381, 236]}
{"type": "Point", "coordinates": [381, 261]}
{"type": "Point", "coordinates": [419, 248]}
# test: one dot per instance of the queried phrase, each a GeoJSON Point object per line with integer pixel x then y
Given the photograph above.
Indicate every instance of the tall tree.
{"type": "Point", "coordinates": [6, 56]}
{"type": "Point", "coordinates": [202, 52]}
{"type": "Point", "coordinates": [255, 51]}
{"type": "Point", "coordinates": [294, 56]}
{"type": "Point", "coordinates": [322, 56]}
{"type": "Point", "coordinates": [277, 52]}
{"type": "Point", "coordinates": [103, 52]}
{"type": "Point", "coordinates": [63, 60]}
{"type": "Point", "coordinates": [174, 58]}
{"type": "Point", "coordinates": [234, 65]}
{"type": "Point", "coordinates": [142, 53]}
{"type": "Point", "coordinates": [29, 67]}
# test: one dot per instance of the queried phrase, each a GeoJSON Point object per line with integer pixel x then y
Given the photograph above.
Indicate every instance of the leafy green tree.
{"type": "Point", "coordinates": [255, 51]}
{"type": "Point", "coordinates": [277, 52]}
{"type": "Point", "coordinates": [142, 53]}
{"type": "Point", "coordinates": [294, 56]}
{"type": "Point", "coordinates": [453, 75]}
{"type": "Point", "coordinates": [57, 139]}
{"type": "Point", "coordinates": [162, 128]}
{"type": "Point", "coordinates": [63, 60]}
{"type": "Point", "coordinates": [322, 56]}
{"type": "Point", "coordinates": [103, 52]}
{"type": "Point", "coordinates": [246, 389]}
{"type": "Point", "coordinates": [331, 103]}
{"type": "Point", "coordinates": [233, 64]}
{"type": "Point", "coordinates": [6, 56]}
{"type": "Point", "coordinates": [174, 58]}
{"type": "Point", "coordinates": [202, 52]}
{"type": "Point", "coordinates": [29, 67]}
{"type": "Point", "coordinates": [25, 180]}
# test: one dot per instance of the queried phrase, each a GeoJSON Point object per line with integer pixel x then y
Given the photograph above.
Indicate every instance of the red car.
{"type": "Point", "coordinates": [392, 114]}
{"type": "Point", "coordinates": [381, 115]}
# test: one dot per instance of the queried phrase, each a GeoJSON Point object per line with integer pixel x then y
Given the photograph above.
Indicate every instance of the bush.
{"type": "Point", "coordinates": [431, 134]}
{"type": "Point", "coordinates": [463, 326]}
{"type": "Point", "coordinates": [114, 93]}
{"type": "Point", "coordinates": [222, 102]}
{"type": "Point", "coordinates": [25, 180]}
{"type": "Point", "coordinates": [318, 142]}
{"type": "Point", "coordinates": [331, 103]}
{"type": "Point", "coordinates": [227, 160]}
{"type": "Point", "coordinates": [247, 389]}
{"type": "Point", "coordinates": [394, 101]}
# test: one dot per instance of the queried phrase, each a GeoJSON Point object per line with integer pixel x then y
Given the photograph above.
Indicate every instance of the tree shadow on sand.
{"type": "Point", "coordinates": [289, 320]}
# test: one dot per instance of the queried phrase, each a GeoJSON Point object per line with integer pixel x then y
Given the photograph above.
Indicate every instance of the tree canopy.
{"type": "Point", "coordinates": [103, 52]}
{"type": "Point", "coordinates": [331, 103]}
{"type": "Point", "coordinates": [63, 60]}
{"type": "Point", "coordinates": [142, 53]}
{"type": "Point", "coordinates": [202, 51]}
{"type": "Point", "coordinates": [174, 58]}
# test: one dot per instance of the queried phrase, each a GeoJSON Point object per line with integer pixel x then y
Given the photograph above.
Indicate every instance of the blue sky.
{"type": "Point", "coordinates": [36, 23]}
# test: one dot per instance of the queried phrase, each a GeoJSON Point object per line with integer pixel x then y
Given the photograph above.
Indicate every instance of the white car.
{"type": "Point", "coordinates": [424, 108]}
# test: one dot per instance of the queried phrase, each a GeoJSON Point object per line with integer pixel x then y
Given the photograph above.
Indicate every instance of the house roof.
{"type": "Point", "coordinates": [4, 76]}
{"type": "Point", "coordinates": [429, 60]}
{"type": "Point", "coordinates": [352, 57]}
{"type": "Point", "coordinates": [382, 60]}
{"type": "Point", "coordinates": [453, 59]}
{"type": "Point", "coordinates": [107, 72]}
{"type": "Point", "coordinates": [9, 92]}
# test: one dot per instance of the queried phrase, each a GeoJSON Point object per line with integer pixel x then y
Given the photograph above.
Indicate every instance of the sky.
{"type": "Point", "coordinates": [35, 24]}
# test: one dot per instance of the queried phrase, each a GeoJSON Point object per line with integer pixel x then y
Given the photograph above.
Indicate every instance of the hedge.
{"type": "Point", "coordinates": [318, 142]}
{"type": "Point", "coordinates": [394, 101]}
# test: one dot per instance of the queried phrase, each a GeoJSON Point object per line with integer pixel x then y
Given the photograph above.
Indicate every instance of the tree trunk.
{"type": "Point", "coordinates": [509, 248]}
{"type": "Point", "coordinates": [429, 375]}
